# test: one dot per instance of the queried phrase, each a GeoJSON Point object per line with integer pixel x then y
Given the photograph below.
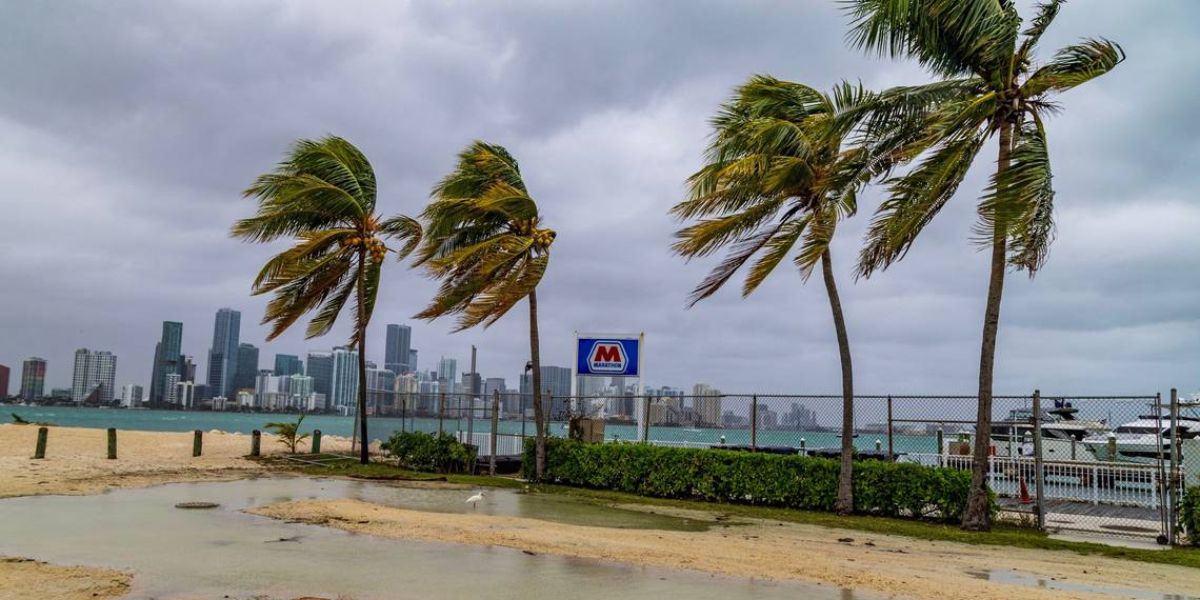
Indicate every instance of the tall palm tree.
{"type": "Point", "coordinates": [779, 176]}
{"type": "Point", "coordinates": [323, 196]}
{"type": "Point", "coordinates": [989, 86]}
{"type": "Point", "coordinates": [484, 241]}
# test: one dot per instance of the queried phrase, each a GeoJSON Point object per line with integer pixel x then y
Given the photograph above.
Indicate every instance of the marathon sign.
{"type": "Point", "coordinates": [608, 357]}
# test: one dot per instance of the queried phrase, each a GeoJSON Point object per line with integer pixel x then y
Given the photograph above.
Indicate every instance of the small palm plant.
{"type": "Point", "coordinates": [780, 174]}
{"type": "Point", "coordinates": [484, 240]}
{"type": "Point", "coordinates": [990, 86]}
{"type": "Point", "coordinates": [323, 196]}
{"type": "Point", "coordinates": [288, 432]}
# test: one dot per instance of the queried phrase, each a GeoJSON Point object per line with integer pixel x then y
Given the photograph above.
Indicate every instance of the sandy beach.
{"type": "Point", "coordinates": [76, 461]}
{"type": "Point", "coordinates": [905, 567]}
{"type": "Point", "coordinates": [24, 579]}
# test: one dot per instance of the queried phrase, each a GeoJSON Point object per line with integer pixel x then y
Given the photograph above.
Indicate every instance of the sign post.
{"type": "Point", "coordinates": [612, 355]}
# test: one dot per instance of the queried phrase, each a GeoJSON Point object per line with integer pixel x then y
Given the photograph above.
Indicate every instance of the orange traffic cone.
{"type": "Point", "coordinates": [1025, 499]}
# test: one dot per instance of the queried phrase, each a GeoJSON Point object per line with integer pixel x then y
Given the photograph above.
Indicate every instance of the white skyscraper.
{"type": "Point", "coordinates": [343, 387]}
{"type": "Point", "coordinates": [95, 371]}
{"type": "Point", "coordinates": [448, 371]}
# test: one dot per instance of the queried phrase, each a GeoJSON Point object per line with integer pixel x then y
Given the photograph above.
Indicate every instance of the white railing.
{"type": "Point", "coordinates": [1124, 484]}
{"type": "Point", "coordinates": [506, 444]}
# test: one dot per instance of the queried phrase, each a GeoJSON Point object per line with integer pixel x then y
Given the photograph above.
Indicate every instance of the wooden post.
{"type": "Point", "coordinates": [644, 432]}
{"type": "Point", "coordinates": [197, 442]}
{"type": "Point", "coordinates": [890, 431]}
{"type": "Point", "coordinates": [40, 450]}
{"type": "Point", "coordinates": [112, 443]}
{"type": "Point", "coordinates": [495, 427]}
{"type": "Point", "coordinates": [1038, 466]}
{"type": "Point", "coordinates": [255, 443]}
{"type": "Point", "coordinates": [316, 441]}
{"type": "Point", "coordinates": [754, 423]}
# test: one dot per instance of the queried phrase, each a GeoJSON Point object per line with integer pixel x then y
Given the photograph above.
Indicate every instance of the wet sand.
{"type": "Point", "coordinates": [23, 579]}
{"type": "Point", "coordinates": [903, 567]}
{"type": "Point", "coordinates": [76, 459]}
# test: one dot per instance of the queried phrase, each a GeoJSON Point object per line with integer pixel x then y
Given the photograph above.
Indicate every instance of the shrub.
{"type": "Point", "coordinates": [1189, 515]}
{"type": "Point", "coordinates": [288, 432]}
{"type": "Point", "coordinates": [787, 481]}
{"type": "Point", "coordinates": [428, 452]}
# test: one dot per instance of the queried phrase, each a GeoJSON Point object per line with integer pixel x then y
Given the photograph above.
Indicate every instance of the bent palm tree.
{"type": "Point", "coordinates": [483, 240]}
{"type": "Point", "coordinates": [777, 176]}
{"type": "Point", "coordinates": [990, 87]}
{"type": "Point", "coordinates": [323, 195]}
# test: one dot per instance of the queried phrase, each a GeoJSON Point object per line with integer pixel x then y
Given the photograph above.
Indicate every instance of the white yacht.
{"type": "Point", "coordinates": [1062, 433]}
{"type": "Point", "coordinates": [1144, 440]}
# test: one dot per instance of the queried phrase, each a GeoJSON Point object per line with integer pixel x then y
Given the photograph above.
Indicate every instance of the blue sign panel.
{"type": "Point", "coordinates": [607, 357]}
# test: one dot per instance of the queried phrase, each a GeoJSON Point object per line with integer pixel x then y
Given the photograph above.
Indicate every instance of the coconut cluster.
{"type": "Point", "coordinates": [373, 245]}
{"type": "Point", "coordinates": [543, 237]}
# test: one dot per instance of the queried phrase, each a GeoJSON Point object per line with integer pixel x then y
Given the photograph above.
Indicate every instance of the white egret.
{"type": "Point", "coordinates": [473, 500]}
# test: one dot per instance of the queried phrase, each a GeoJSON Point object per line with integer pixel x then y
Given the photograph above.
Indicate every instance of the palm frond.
{"type": "Point", "coordinates": [775, 250]}
{"type": "Point", "coordinates": [1073, 66]}
{"type": "Point", "coordinates": [405, 229]}
{"type": "Point", "coordinates": [1046, 12]}
{"type": "Point", "coordinates": [1021, 200]}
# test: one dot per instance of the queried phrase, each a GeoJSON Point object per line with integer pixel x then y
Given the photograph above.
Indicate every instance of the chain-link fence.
{"type": "Point", "coordinates": [1108, 465]}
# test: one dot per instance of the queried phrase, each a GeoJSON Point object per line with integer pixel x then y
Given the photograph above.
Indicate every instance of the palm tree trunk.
{"type": "Point", "coordinates": [978, 516]}
{"type": "Point", "coordinates": [845, 498]}
{"type": "Point", "coordinates": [536, 359]}
{"type": "Point", "coordinates": [361, 324]}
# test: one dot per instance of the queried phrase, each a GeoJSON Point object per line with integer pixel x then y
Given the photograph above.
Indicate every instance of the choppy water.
{"type": "Point", "coordinates": [382, 427]}
{"type": "Point", "coordinates": [224, 553]}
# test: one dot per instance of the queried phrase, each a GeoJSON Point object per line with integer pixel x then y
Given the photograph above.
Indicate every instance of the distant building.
{"type": "Point", "coordinates": [132, 395]}
{"type": "Point", "coordinates": [412, 361]}
{"type": "Point", "coordinates": [491, 385]}
{"type": "Point", "coordinates": [299, 390]}
{"type": "Point", "coordinates": [706, 402]}
{"type": "Point", "coordinates": [189, 369]}
{"type": "Point", "coordinates": [319, 366]}
{"type": "Point", "coordinates": [4, 375]}
{"type": "Point", "coordinates": [556, 381]}
{"type": "Point", "coordinates": [171, 397]}
{"type": "Point", "coordinates": [397, 350]}
{"type": "Point", "coordinates": [381, 391]}
{"type": "Point", "coordinates": [247, 367]}
{"type": "Point", "coordinates": [448, 372]}
{"type": "Point", "coordinates": [287, 365]}
{"type": "Point", "coordinates": [344, 380]}
{"type": "Point", "coordinates": [33, 378]}
{"type": "Point", "coordinates": [94, 376]}
{"type": "Point", "coordinates": [168, 359]}
{"type": "Point", "coordinates": [185, 394]}
{"type": "Point", "coordinates": [223, 355]}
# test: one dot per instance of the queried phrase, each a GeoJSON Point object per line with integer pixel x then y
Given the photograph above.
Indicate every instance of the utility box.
{"type": "Point", "coordinates": [587, 429]}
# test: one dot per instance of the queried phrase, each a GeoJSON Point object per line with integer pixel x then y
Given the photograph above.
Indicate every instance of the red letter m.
{"type": "Point", "coordinates": [607, 353]}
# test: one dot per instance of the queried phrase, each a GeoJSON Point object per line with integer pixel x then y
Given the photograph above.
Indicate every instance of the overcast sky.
{"type": "Point", "coordinates": [128, 130]}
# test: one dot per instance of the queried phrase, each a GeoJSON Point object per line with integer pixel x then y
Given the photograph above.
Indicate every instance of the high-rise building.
{"type": "Point", "coordinates": [320, 368]}
{"type": "Point", "coordinates": [168, 359]}
{"type": "Point", "coordinates": [185, 394]}
{"type": "Point", "coordinates": [395, 354]}
{"type": "Point", "coordinates": [412, 360]}
{"type": "Point", "coordinates": [299, 389]}
{"type": "Point", "coordinates": [706, 402]}
{"type": "Point", "coordinates": [381, 391]}
{"type": "Point", "coordinates": [33, 378]}
{"type": "Point", "coordinates": [247, 367]}
{"type": "Point", "coordinates": [4, 375]}
{"type": "Point", "coordinates": [131, 395]}
{"type": "Point", "coordinates": [94, 376]}
{"type": "Point", "coordinates": [171, 393]}
{"type": "Point", "coordinates": [223, 355]}
{"type": "Point", "coordinates": [556, 381]}
{"type": "Point", "coordinates": [344, 380]}
{"type": "Point", "coordinates": [189, 369]}
{"type": "Point", "coordinates": [287, 365]}
{"type": "Point", "coordinates": [448, 372]}
{"type": "Point", "coordinates": [491, 385]}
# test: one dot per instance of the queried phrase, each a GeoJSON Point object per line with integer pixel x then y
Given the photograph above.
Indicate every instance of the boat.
{"type": "Point", "coordinates": [1062, 433]}
{"type": "Point", "coordinates": [1144, 440]}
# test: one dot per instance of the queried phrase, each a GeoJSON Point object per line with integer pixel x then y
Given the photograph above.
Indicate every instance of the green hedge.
{"type": "Point", "coordinates": [428, 452]}
{"type": "Point", "coordinates": [1189, 515]}
{"type": "Point", "coordinates": [799, 482]}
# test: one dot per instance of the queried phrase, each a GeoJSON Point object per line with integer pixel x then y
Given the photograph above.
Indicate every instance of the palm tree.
{"type": "Point", "coordinates": [484, 241]}
{"type": "Point", "coordinates": [778, 175]}
{"type": "Point", "coordinates": [323, 196]}
{"type": "Point", "coordinates": [989, 86]}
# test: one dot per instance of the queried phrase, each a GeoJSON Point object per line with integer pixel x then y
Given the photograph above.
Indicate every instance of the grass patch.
{"type": "Point", "coordinates": [1001, 535]}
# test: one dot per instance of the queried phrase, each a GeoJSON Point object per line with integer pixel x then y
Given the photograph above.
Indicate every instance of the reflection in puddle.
{"type": "Point", "coordinates": [1030, 580]}
{"type": "Point", "coordinates": [224, 553]}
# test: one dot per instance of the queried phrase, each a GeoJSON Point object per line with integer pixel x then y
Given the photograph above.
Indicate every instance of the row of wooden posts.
{"type": "Point", "coordinates": [43, 435]}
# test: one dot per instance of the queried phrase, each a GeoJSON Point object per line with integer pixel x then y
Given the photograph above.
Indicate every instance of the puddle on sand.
{"type": "Point", "coordinates": [224, 553]}
{"type": "Point", "coordinates": [1030, 580]}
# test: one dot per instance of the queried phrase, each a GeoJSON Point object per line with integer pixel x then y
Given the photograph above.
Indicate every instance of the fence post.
{"type": "Point", "coordinates": [890, 431]}
{"type": "Point", "coordinates": [495, 427]}
{"type": "Point", "coordinates": [754, 423]}
{"type": "Point", "coordinates": [1038, 466]}
{"type": "Point", "coordinates": [39, 451]}
{"type": "Point", "coordinates": [1173, 476]}
{"type": "Point", "coordinates": [941, 443]}
{"type": "Point", "coordinates": [197, 442]}
{"type": "Point", "coordinates": [255, 443]}
{"type": "Point", "coordinates": [644, 431]}
{"type": "Point", "coordinates": [441, 412]}
{"type": "Point", "coordinates": [523, 421]}
{"type": "Point", "coordinates": [316, 441]}
{"type": "Point", "coordinates": [112, 443]}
